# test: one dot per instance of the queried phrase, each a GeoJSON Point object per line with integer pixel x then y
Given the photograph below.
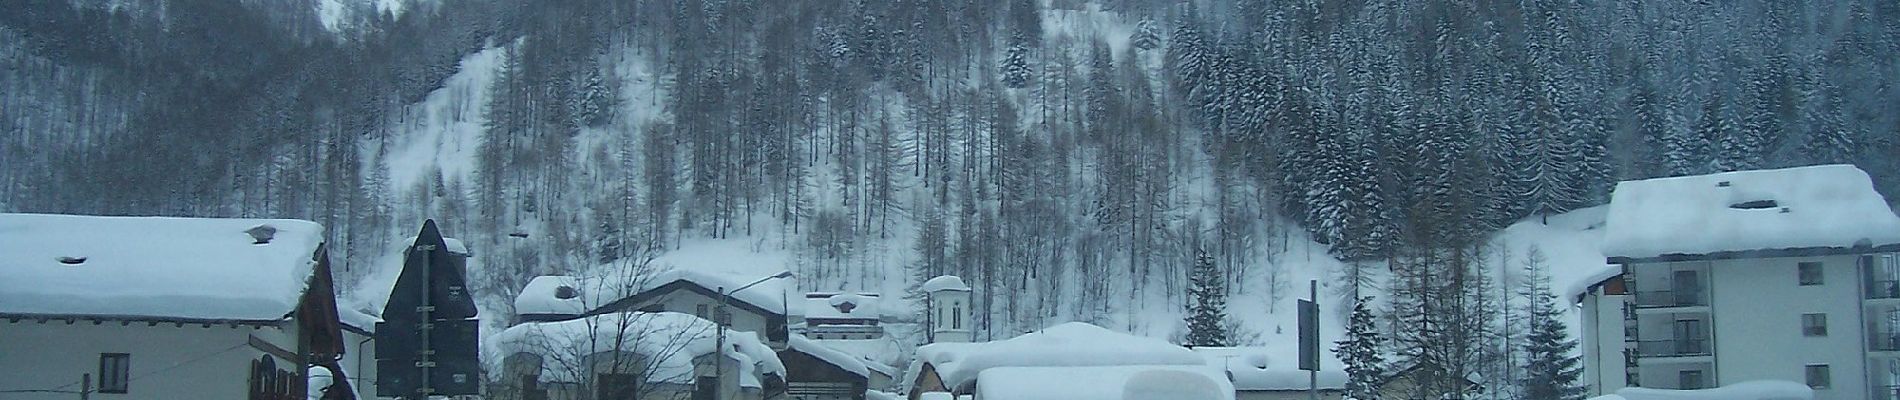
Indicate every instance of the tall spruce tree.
{"type": "Point", "coordinates": [1207, 304]}
{"type": "Point", "coordinates": [1551, 371]}
{"type": "Point", "coordinates": [1016, 65]}
{"type": "Point", "coordinates": [1359, 350]}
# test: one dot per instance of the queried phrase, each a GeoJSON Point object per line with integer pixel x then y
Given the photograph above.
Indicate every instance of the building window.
{"type": "Point", "coordinates": [1814, 324]}
{"type": "Point", "coordinates": [617, 386]}
{"type": "Point", "coordinates": [701, 311]}
{"type": "Point", "coordinates": [1818, 376]}
{"type": "Point", "coordinates": [114, 369]}
{"type": "Point", "coordinates": [705, 388]}
{"type": "Point", "coordinates": [1689, 380]}
{"type": "Point", "coordinates": [1810, 273]}
{"type": "Point", "coordinates": [956, 317]}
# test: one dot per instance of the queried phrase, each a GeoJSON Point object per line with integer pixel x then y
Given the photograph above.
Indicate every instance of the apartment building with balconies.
{"type": "Point", "coordinates": [1786, 274]}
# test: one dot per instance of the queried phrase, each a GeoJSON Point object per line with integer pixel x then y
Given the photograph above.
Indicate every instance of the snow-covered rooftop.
{"type": "Point", "coordinates": [610, 283]}
{"type": "Point", "coordinates": [946, 282]}
{"type": "Point", "coordinates": [1826, 206]}
{"type": "Point", "coordinates": [359, 319]}
{"type": "Point", "coordinates": [827, 305]}
{"type": "Point", "coordinates": [848, 362]}
{"type": "Point", "coordinates": [671, 340]}
{"type": "Point", "coordinates": [188, 268]}
{"type": "Point", "coordinates": [1071, 344]}
{"type": "Point", "coordinates": [1251, 369]}
{"type": "Point", "coordinates": [1750, 390]}
{"type": "Point", "coordinates": [880, 354]}
{"type": "Point", "coordinates": [544, 295]}
{"type": "Point", "coordinates": [1134, 382]}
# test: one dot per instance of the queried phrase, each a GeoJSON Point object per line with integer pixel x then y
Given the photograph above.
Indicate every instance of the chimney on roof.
{"type": "Point", "coordinates": [262, 234]}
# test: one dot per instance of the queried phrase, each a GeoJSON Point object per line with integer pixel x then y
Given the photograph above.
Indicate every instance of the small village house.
{"type": "Point", "coordinates": [755, 314]}
{"type": "Point", "coordinates": [163, 308]}
{"type": "Point", "coordinates": [852, 323]}
{"type": "Point", "coordinates": [817, 372]}
{"type": "Point", "coordinates": [841, 316]}
{"type": "Point", "coordinates": [625, 355]}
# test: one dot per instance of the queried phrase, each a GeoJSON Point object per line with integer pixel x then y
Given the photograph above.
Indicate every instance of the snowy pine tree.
{"type": "Point", "coordinates": [1016, 66]}
{"type": "Point", "coordinates": [1828, 141]}
{"type": "Point", "coordinates": [1207, 304]}
{"type": "Point", "coordinates": [1552, 372]}
{"type": "Point", "coordinates": [1147, 35]}
{"type": "Point", "coordinates": [1359, 350]}
{"type": "Point", "coordinates": [1685, 150]}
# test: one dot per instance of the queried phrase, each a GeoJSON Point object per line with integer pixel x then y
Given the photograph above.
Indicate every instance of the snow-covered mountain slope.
{"type": "Point", "coordinates": [436, 142]}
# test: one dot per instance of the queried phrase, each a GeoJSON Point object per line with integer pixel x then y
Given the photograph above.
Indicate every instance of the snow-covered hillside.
{"type": "Point", "coordinates": [436, 142]}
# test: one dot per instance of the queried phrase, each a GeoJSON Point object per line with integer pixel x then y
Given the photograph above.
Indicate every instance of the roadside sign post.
{"type": "Point", "coordinates": [1309, 338]}
{"type": "Point", "coordinates": [427, 343]}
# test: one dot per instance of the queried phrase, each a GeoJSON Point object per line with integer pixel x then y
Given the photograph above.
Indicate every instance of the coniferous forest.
{"type": "Point", "coordinates": [1064, 156]}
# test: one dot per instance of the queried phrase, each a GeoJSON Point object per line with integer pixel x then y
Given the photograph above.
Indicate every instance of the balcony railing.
{"type": "Point", "coordinates": [1670, 298]}
{"type": "Point", "coordinates": [1886, 393]}
{"type": "Point", "coordinates": [1883, 341]}
{"type": "Point", "coordinates": [1883, 289]}
{"type": "Point", "coordinates": [1672, 348]}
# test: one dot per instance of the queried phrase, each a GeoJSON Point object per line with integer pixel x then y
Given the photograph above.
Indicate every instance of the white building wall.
{"type": "Point", "coordinates": [359, 361]}
{"type": "Point", "coordinates": [1603, 342]}
{"type": "Point", "coordinates": [688, 302]}
{"type": "Point", "coordinates": [167, 361]}
{"type": "Point", "coordinates": [950, 319]}
{"type": "Point", "coordinates": [1757, 306]}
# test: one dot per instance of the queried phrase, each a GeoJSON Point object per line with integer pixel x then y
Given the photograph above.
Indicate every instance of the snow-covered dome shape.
{"type": "Point", "coordinates": [946, 282]}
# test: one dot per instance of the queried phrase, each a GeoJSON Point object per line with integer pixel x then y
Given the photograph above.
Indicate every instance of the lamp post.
{"type": "Point", "coordinates": [720, 319]}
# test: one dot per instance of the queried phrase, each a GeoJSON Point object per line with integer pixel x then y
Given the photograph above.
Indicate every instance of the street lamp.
{"type": "Point", "coordinates": [720, 318]}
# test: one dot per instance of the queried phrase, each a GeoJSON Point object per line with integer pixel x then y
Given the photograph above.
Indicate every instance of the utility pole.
{"type": "Point", "coordinates": [720, 320]}
{"type": "Point", "coordinates": [1309, 338]}
{"type": "Point", "coordinates": [423, 360]}
{"type": "Point", "coordinates": [1312, 377]}
{"type": "Point", "coordinates": [719, 343]}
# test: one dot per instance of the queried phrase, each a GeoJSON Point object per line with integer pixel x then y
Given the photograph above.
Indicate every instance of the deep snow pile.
{"type": "Point", "coordinates": [154, 266]}
{"type": "Point", "coordinates": [1127, 382]}
{"type": "Point", "coordinates": [1250, 368]}
{"type": "Point", "coordinates": [1818, 206]}
{"type": "Point", "coordinates": [1751, 390]}
{"type": "Point", "coordinates": [1071, 344]}
{"type": "Point", "coordinates": [670, 341]}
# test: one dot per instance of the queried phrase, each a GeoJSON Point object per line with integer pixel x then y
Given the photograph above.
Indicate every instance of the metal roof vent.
{"type": "Point", "coordinates": [1755, 205]}
{"type": "Point", "coordinates": [262, 234]}
{"type": "Point", "coordinates": [566, 292]}
{"type": "Point", "coordinates": [845, 306]}
{"type": "Point", "coordinates": [72, 260]}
